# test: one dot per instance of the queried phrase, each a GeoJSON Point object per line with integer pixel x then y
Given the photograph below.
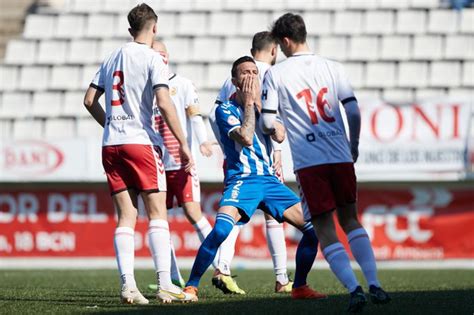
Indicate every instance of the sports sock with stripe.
{"type": "Point", "coordinates": [364, 255]}
{"type": "Point", "coordinates": [159, 242]}
{"type": "Point", "coordinates": [340, 265]}
{"type": "Point", "coordinates": [124, 245]}
{"type": "Point", "coordinates": [208, 249]}
{"type": "Point", "coordinates": [203, 228]}
{"type": "Point", "coordinates": [305, 254]}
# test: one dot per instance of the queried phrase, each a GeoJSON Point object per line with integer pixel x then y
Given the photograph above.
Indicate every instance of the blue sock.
{"type": "Point", "coordinates": [305, 254]}
{"type": "Point", "coordinates": [207, 251]}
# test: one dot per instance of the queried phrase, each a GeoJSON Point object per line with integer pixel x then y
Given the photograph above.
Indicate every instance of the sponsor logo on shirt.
{"type": "Point", "coordinates": [330, 133]}
{"type": "Point", "coordinates": [119, 118]}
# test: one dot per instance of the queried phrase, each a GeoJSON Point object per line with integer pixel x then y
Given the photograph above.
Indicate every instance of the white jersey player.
{"type": "Point", "coordinates": [182, 185]}
{"type": "Point", "coordinates": [131, 78]}
{"type": "Point", "coordinates": [305, 90]}
{"type": "Point", "coordinates": [264, 52]}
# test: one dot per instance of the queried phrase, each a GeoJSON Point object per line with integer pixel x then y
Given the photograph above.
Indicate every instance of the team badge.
{"type": "Point", "coordinates": [232, 120]}
{"type": "Point", "coordinates": [173, 91]}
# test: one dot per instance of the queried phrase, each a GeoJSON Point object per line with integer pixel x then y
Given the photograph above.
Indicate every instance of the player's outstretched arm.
{"type": "Point", "coordinates": [168, 111]}
{"type": "Point", "coordinates": [91, 102]}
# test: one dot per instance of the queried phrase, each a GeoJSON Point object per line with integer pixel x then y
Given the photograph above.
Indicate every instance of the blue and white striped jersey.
{"type": "Point", "coordinates": [242, 161]}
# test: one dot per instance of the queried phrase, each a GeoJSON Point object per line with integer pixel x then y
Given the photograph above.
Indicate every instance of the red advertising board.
{"type": "Point", "coordinates": [404, 223]}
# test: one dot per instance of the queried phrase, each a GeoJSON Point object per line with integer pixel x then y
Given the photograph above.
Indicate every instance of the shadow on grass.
{"type": "Point", "coordinates": [414, 302]}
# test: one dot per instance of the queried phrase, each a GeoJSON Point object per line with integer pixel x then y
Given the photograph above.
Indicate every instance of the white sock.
{"type": "Point", "coordinates": [277, 246]}
{"type": "Point", "coordinates": [203, 228]}
{"type": "Point", "coordinates": [175, 273]}
{"type": "Point", "coordinates": [124, 244]}
{"type": "Point", "coordinates": [364, 255]}
{"type": "Point", "coordinates": [159, 241]}
{"type": "Point", "coordinates": [338, 260]}
{"type": "Point", "coordinates": [227, 251]}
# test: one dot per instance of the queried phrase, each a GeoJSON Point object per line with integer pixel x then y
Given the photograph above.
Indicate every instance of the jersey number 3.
{"type": "Point", "coordinates": [118, 94]}
{"type": "Point", "coordinates": [320, 103]}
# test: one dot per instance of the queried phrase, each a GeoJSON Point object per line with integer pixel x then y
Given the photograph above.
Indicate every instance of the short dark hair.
{"type": "Point", "coordinates": [262, 40]}
{"type": "Point", "coordinates": [290, 25]}
{"type": "Point", "coordinates": [238, 62]}
{"type": "Point", "coordinates": [139, 16]}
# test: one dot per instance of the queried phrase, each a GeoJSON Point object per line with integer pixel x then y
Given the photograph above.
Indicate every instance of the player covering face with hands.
{"type": "Point", "coordinates": [264, 51]}
{"type": "Point", "coordinates": [250, 182]}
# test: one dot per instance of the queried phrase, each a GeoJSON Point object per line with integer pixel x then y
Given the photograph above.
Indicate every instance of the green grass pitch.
{"type": "Point", "coordinates": [97, 291]}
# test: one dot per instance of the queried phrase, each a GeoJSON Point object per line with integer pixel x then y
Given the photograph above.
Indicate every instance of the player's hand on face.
{"type": "Point", "coordinates": [186, 158]}
{"type": "Point", "coordinates": [206, 148]}
{"type": "Point", "coordinates": [248, 90]}
{"type": "Point", "coordinates": [257, 87]}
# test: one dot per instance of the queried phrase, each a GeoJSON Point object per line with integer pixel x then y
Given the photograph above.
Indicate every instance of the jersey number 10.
{"type": "Point", "coordinates": [320, 103]}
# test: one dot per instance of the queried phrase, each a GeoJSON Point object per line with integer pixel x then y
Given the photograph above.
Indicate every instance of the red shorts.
{"type": "Point", "coordinates": [326, 187]}
{"type": "Point", "coordinates": [133, 166]}
{"type": "Point", "coordinates": [182, 185]}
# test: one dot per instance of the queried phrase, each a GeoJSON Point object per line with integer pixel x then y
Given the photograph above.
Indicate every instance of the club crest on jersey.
{"type": "Point", "coordinates": [232, 120]}
{"type": "Point", "coordinates": [173, 91]}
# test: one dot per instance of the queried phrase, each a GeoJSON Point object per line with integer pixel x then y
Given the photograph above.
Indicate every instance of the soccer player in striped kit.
{"type": "Point", "coordinates": [250, 182]}
{"type": "Point", "coordinates": [264, 50]}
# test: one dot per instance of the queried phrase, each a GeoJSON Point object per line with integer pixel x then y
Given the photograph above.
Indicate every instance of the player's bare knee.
{"type": "Point", "coordinates": [294, 216]}
{"type": "Point", "coordinates": [192, 211]}
{"type": "Point", "coordinates": [347, 216]}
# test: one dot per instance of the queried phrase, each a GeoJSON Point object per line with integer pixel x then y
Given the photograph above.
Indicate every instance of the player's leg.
{"type": "Point", "coordinates": [222, 278]}
{"type": "Point", "coordinates": [345, 179]}
{"type": "Point", "coordinates": [227, 251]}
{"type": "Point", "coordinates": [124, 245]}
{"type": "Point", "coordinates": [176, 277]}
{"type": "Point", "coordinates": [362, 251]}
{"type": "Point", "coordinates": [238, 203]}
{"type": "Point", "coordinates": [124, 201]}
{"type": "Point", "coordinates": [282, 204]}
{"type": "Point", "coordinates": [305, 253]}
{"type": "Point", "coordinates": [160, 247]}
{"type": "Point", "coordinates": [319, 202]}
{"type": "Point", "coordinates": [173, 188]}
{"type": "Point", "coordinates": [225, 220]}
{"type": "Point", "coordinates": [277, 247]}
{"type": "Point", "coordinates": [159, 236]}
{"type": "Point", "coordinates": [189, 197]}
{"type": "Point", "coordinates": [149, 177]}
{"type": "Point", "coordinates": [193, 212]}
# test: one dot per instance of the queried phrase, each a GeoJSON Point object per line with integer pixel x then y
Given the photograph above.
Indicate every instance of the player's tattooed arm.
{"type": "Point", "coordinates": [248, 94]}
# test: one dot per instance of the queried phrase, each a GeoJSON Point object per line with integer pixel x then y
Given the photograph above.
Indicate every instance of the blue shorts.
{"type": "Point", "coordinates": [267, 193]}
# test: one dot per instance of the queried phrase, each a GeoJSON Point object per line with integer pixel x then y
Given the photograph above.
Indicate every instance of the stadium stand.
{"type": "Point", "coordinates": [403, 51]}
